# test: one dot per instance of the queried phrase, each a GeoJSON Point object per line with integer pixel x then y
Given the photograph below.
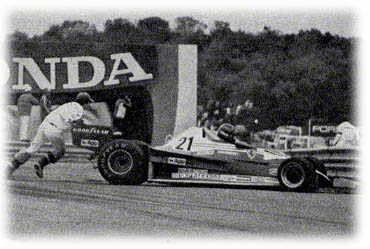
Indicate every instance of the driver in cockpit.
{"type": "Point", "coordinates": [227, 132]}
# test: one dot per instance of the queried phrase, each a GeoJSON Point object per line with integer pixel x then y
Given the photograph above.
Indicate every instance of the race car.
{"type": "Point", "coordinates": [199, 156]}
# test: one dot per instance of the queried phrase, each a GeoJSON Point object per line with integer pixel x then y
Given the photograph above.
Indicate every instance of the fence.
{"type": "Point", "coordinates": [342, 164]}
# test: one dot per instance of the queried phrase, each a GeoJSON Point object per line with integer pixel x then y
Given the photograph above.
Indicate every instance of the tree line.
{"type": "Point", "coordinates": [290, 78]}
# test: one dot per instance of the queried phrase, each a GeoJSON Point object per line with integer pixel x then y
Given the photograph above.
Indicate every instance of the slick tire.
{"type": "Point", "coordinates": [297, 174]}
{"type": "Point", "coordinates": [122, 162]}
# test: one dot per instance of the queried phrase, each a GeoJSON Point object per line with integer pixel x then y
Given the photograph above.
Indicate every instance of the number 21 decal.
{"type": "Point", "coordinates": [185, 143]}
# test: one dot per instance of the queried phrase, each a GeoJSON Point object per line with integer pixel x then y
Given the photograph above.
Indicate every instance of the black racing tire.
{"type": "Point", "coordinates": [297, 174]}
{"type": "Point", "coordinates": [122, 162]}
{"type": "Point", "coordinates": [319, 165]}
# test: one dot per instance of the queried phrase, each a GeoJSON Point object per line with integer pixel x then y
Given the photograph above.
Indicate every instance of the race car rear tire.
{"type": "Point", "coordinates": [122, 162]}
{"type": "Point", "coordinates": [297, 174]}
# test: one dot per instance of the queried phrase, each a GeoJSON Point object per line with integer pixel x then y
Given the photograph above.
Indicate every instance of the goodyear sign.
{"type": "Point", "coordinates": [91, 137]}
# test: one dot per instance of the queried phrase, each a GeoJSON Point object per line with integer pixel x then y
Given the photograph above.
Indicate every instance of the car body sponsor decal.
{"type": "Point", "coordinates": [176, 161]}
{"type": "Point", "coordinates": [205, 153]}
{"type": "Point", "coordinates": [201, 175]}
{"type": "Point", "coordinates": [90, 143]}
{"type": "Point", "coordinates": [232, 153]}
{"type": "Point", "coordinates": [91, 130]}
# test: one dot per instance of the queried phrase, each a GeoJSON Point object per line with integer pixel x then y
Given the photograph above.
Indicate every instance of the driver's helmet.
{"type": "Point", "coordinates": [226, 132]}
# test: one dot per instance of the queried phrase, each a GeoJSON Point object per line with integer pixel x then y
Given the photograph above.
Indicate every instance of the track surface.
{"type": "Point", "coordinates": [74, 200]}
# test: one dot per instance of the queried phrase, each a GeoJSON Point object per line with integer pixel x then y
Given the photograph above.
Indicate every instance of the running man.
{"type": "Point", "coordinates": [51, 130]}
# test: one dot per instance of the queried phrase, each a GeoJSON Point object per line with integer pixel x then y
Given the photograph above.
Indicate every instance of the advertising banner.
{"type": "Point", "coordinates": [159, 80]}
{"type": "Point", "coordinates": [321, 128]}
{"type": "Point", "coordinates": [289, 130]}
{"type": "Point", "coordinates": [70, 67]}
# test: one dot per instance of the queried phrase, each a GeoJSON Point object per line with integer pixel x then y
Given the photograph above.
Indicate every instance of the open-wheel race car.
{"type": "Point", "coordinates": [198, 156]}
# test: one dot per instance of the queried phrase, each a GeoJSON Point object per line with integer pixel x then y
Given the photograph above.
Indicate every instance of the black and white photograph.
{"type": "Point", "coordinates": [200, 121]}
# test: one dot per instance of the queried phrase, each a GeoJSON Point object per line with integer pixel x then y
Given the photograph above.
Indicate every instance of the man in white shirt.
{"type": "Point", "coordinates": [51, 130]}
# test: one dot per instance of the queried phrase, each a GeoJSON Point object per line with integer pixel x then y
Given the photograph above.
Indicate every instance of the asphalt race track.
{"type": "Point", "coordinates": [74, 200]}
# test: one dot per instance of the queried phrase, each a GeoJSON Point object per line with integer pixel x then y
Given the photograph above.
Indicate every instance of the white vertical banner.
{"type": "Point", "coordinates": [186, 113]}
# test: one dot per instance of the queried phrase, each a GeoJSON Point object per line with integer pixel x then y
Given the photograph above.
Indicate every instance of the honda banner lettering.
{"type": "Point", "coordinates": [116, 66]}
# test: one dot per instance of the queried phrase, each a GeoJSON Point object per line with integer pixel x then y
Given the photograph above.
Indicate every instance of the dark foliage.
{"type": "Point", "coordinates": [289, 77]}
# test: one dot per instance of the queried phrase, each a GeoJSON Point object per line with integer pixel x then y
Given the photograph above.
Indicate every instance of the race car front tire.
{"type": "Point", "coordinates": [122, 162]}
{"type": "Point", "coordinates": [297, 174]}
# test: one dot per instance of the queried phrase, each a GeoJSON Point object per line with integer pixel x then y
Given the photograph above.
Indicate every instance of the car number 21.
{"type": "Point", "coordinates": [185, 143]}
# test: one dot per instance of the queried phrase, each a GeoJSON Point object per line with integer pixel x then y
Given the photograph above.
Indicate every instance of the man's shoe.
{"type": "Point", "coordinates": [39, 170]}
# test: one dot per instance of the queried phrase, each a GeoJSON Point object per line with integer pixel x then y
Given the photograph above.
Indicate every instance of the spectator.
{"type": "Point", "coordinates": [207, 115]}
{"type": "Point", "coordinates": [238, 111]}
{"type": "Point", "coordinates": [121, 107]}
{"type": "Point", "coordinates": [217, 109]}
{"type": "Point", "coordinates": [246, 115]}
{"type": "Point", "coordinates": [45, 104]}
{"type": "Point", "coordinates": [241, 113]}
{"type": "Point", "coordinates": [347, 135]}
{"type": "Point", "coordinates": [200, 110]}
{"type": "Point", "coordinates": [120, 113]}
{"type": "Point", "coordinates": [218, 115]}
{"type": "Point", "coordinates": [204, 119]}
{"type": "Point", "coordinates": [210, 109]}
{"type": "Point", "coordinates": [24, 103]}
{"type": "Point", "coordinates": [229, 116]}
{"type": "Point", "coordinates": [215, 123]}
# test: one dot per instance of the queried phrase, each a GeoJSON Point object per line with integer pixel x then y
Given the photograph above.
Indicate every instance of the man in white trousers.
{"type": "Point", "coordinates": [51, 130]}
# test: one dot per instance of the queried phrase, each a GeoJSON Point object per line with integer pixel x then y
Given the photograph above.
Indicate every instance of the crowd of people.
{"type": "Point", "coordinates": [244, 116]}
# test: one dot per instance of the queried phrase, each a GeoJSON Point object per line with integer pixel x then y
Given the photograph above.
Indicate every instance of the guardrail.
{"type": "Point", "coordinates": [342, 164]}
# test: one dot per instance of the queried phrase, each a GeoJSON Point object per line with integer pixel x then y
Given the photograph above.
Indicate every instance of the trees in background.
{"type": "Point", "coordinates": [289, 77]}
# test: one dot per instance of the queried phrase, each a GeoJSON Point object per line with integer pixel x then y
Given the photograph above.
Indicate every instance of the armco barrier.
{"type": "Point", "coordinates": [341, 163]}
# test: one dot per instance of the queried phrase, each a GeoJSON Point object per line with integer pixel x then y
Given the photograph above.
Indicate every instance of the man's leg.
{"type": "Point", "coordinates": [23, 130]}
{"type": "Point", "coordinates": [53, 156]}
{"type": "Point", "coordinates": [19, 158]}
{"type": "Point", "coordinates": [22, 156]}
